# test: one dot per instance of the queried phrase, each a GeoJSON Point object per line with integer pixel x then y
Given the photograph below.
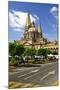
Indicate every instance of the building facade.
{"type": "Point", "coordinates": [33, 37]}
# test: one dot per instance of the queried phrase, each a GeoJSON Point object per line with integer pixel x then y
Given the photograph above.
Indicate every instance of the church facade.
{"type": "Point", "coordinates": [33, 37]}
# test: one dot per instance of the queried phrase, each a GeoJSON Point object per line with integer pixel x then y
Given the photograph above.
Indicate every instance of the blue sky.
{"type": "Point", "coordinates": [44, 14]}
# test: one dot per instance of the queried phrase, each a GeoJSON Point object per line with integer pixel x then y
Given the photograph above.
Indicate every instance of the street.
{"type": "Point", "coordinates": [44, 75]}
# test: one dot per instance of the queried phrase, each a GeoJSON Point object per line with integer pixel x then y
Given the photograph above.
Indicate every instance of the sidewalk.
{"type": "Point", "coordinates": [14, 85]}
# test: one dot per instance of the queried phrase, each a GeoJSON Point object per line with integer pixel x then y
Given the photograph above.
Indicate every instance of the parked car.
{"type": "Point", "coordinates": [39, 58]}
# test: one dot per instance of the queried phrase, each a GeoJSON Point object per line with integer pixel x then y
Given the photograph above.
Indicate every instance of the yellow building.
{"type": "Point", "coordinates": [34, 37]}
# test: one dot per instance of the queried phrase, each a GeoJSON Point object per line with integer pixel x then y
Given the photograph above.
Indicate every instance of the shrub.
{"type": "Point", "coordinates": [13, 62]}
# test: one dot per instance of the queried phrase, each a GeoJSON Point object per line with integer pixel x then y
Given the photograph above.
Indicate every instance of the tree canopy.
{"type": "Point", "coordinates": [19, 49]}
{"type": "Point", "coordinates": [12, 47]}
{"type": "Point", "coordinates": [16, 49]}
{"type": "Point", "coordinates": [30, 51]}
{"type": "Point", "coordinates": [43, 52]}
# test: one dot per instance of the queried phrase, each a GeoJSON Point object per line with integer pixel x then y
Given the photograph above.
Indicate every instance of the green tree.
{"type": "Point", "coordinates": [43, 52]}
{"type": "Point", "coordinates": [12, 47]}
{"type": "Point", "coordinates": [15, 49]}
{"type": "Point", "coordinates": [30, 51]}
{"type": "Point", "coordinates": [13, 62]}
{"type": "Point", "coordinates": [49, 51]}
{"type": "Point", "coordinates": [19, 49]}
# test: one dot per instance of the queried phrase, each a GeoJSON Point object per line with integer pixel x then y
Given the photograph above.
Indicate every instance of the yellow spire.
{"type": "Point", "coordinates": [39, 29]}
{"type": "Point", "coordinates": [28, 21]}
{"type": "Point", "coordinates": [33, 24]}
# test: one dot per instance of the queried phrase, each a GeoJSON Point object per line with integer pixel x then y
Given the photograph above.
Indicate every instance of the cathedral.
{"type": "Point", "coordinates": [33, 37]}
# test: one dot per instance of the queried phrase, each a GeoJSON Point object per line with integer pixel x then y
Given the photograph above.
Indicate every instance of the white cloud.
{"type": "Point", "coordinates": [54, 12]}
{"type": "Point", "coordinates": [17, 20]}
{"type": "Point", "coordinates": [36, 17]}
{"type": "Point", "coordinates": [12, 22]}
{"type": "Point", "coordinates": [55, 27]}
{"type": "Point", "coordinates": [53, 9]}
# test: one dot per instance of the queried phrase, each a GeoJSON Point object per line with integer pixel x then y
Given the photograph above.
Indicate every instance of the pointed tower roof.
{"type": "Point", "coordinates": [39, 29]}
{"type": "Point", "coordinates": [28, 21]}
{"type": "Point", "coordinates": [33, 24]}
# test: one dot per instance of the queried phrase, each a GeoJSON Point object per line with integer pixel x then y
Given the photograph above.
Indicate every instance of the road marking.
{"type": "Point", "coordinates": [21, 70]}
{"type": "Point", "coordinates": [24, 68]}
{"type": "Point", "coordinates": [29, 73]}
{"type": "Point", "coordinates": [11, 73]}
{"type": "Point", "coordinates": [31, 76]}
{"type": "Point", "coordinates": [49, 73]}
{"type": "Point", "coordinates": [52, 72]}
{"type": "Point", "coordinates": [24, 74]}
{"type": "Point", "coordinates": [36, 70]}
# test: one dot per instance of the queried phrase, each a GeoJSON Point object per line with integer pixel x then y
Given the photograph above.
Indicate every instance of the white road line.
{"type": "Point", "coordinates": [21, 70]}
{"type": "Point", "coordinates": [36, 70]}
{"type": "Point", "coordinates": [29, 73]}
{"type": "Point", "coordinates": [35, 74]}
{"type": "Point", "coordinates": [11, 73]}
{"type": "Point", "coordinates": [45, 76]}
{"type": "Point", "coordinates": [24, 69]}
{"type": "Point", "coordinates": [31, 76]}
{"type": "Point", "coordinates": [49, 73]}
{"type": "Point", "coordinates": [16, 72]}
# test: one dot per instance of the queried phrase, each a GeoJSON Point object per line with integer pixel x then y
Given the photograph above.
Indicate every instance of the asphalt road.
{"type": "Point", "coordinates": [44, 75]}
